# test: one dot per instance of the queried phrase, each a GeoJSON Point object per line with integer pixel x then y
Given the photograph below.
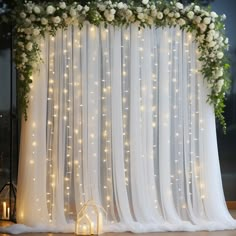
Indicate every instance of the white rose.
{"type": "Point", "coordinates": [220, 55]}
{"type": "Point", "coordinates": [79, 7]}
{"type": "Point", "coordinates": [102, 7]}
{"type": "Point", "coordinates": [44, 21]}
{"type": "Point", "coordinates": [128, 13]}
{"type": "Point", "coordinates": [64, 15]}
{"type": "Point", "coordinates": [203, 27]}
{"type": "Point", "coordinates": [190, 15]}
{"type": "Point", "coordinates": [207, 20]}
{"type": "Point", "coordinates": [213, 14]}
{"type": "Point", "coordinates": [226, 41]}
{"type": "Point", "coordinates": [219, 73]}
{"type": "Point", "coordinates": [154, 13]}
{"type": "Point", "coordinates": [171, 14]}
{"type": "Point", "coordinates": [29, 46]}
{"type": "Point", "coordinates": [86, 8]}
{"type": "Point", "coordinates": [201, 38]}
{"type": "Point", "coordinates": [37, 10]}
{"type": "Point", "coordinates": [209, 38]}
{"type": "Point", "coordinates": [212, 44]}
{"type": "Point", "coordinates": [113, 11]}
{"type": "Point", "coordinates": [179, 5]}
{"type": "Point", "coordinates": [212, 32]}
{"type": "Point", "coordinates": [62, 5]}
{"type": "Point", "coordinates": [36, 32]}
{"type": "Point", "coordinates": [150, 20]}
{"type": "Point", "coordinates": [196, 8]}
{"type": "Point", "coordinates": [50, 10]}
{"type": "Point", "coordinates": [56, 20]}
{"type": "Point", "coordinates": [145, 2]}
{"type": "Point", "coordinates": [72, 12]}
{"type": "Point", "coordinates": [140, 16]}
{"type": "Point", "coordinates": [216, 35]}
{"type": "Point", "coordinates": [166, 11]}
{"type": "Point", "coordinates": [139, 9]}
{"type": "Point", "coordinates": [181, 22]}
{"type": "Point", "coordinates": [153, 7]}
{"type": "Point", "coordinates": [109, 17]}
{"type": "Point", "coordinates": [32, 17]}
{"type": "Point", "coordinates": [120, 5]}
{"type": "Point", "coordinates": [22, 15]}
{"type": "Point", "coordinates": [159, 15]}
{"type": "Point", "coordinates": [212, 26]}
{"type": "Point", "coordinates": [198, 19]}
{"type": "Point", "coordinates": [177, 15]}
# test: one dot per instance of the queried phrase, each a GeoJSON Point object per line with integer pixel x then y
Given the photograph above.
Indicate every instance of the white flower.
{"type": "Point", "coordinates": [62, 5]}
{"type": "Point", "coordinates": [110, 17]}
{"type": "Point", "coordinates": [113, 11]}
{"type": "Point", "coordinates": [212, 32]}
{"type": "Point", "coordinates": [86, 8]}
{"type": "Point", "coordinates": [196, 8]}
{"type": "Point", "coordinates": [171, 14]}
{"type": "Point", "coordinates": [36, 32]}
{"type": "Point", "coordinates": [141, 16]}
{"type": "Point", "coordinates": [159, 15]}
{"type": "Point", "coordinates": [212, 44]}
{"type": "Point", "coordinates": [212, 26]}
{"type": "Point", "coordinates": [32, 17]}
{"type": "Point", "coordinates": [223, 17]}
{"type": "Point", "coordinates": [181, 22]}
{"type": "Point", "coordinates": [139, 9]}
{"type": "Point", "coordinates": [179, 5]}
{"type": "Point", "coordinates": [154, 13]}
{"type": "Point", "coordinates": [72, 12]}
{"type": "Point", "coordinates": [220, 84]}
{"type": "Point", "coordinates": [207, 20]}
{"type": "Point", "coordinates": [166, 11]}
{"type": "Point", "coordinates": [150, 20]}
{"type": "Point", "coordinates": [153, 7]}
{"type": "Point", "coordinates": [64, 15]}
{"type": "Point", "coordinates": [22, 15]}
{"type": "Point", "coordinates": [50, 10]}
{"type": "Point", "coordinates": [37, 10]}
{"type": "Point", "coordinates": [128, 13]}
{"type": "Point", "coordinates": [28, 21]}
{"type": "Point", "coordinates": [79, 7]}
{"type": "Point", "coordinates": [203, 27]}
{"type": "Point", "coordinates": [190, 15]}
{"type": "Point", "coordinates": [29, 46]}
{"type": "Point", "coordinates": [226, 41]}
{"type": "Point", "coordinates": [44, 21]}
{"type": "Point", "coordinates": [101, 7]}
{"type": "Point", "coordinates": [209, 38]}
{"type": "Point", "coordinates": [145, 2]}
{"type": "Point", "coordinates": [120, 5]}
{"type": "Point", "coordinates": [56, 20]}
{"type": "Point", "coordinates": [177, 15]}
{"type": "Point", "coordinates": [198, 19]}
{"type": "Point", "coordinates": [220, 55]}
{"type": "Point", "coordinates": [216, 35]}
{"type": "Point", "coordinates": [213, 14]}
{"type": "Point", "coordinates": [219, 72]}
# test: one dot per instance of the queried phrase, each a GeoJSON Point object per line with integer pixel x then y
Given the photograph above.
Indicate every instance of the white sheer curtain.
{"type": "Point", "coordinates": [120, 116]}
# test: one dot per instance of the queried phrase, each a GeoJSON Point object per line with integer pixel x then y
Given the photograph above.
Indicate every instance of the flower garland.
{"type": "Point", "coordinates": [35, 20]}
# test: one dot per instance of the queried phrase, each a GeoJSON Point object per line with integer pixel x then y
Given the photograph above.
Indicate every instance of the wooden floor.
{"type": "Point", "coordinates": [203, 233]}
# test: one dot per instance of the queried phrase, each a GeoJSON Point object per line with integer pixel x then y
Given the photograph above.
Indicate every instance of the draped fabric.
{"type": "Point", "coordinates": [119, 116]}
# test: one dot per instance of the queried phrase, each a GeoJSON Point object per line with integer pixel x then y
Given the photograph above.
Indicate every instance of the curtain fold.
{"type": "Point", "coordinates": [119, 116]}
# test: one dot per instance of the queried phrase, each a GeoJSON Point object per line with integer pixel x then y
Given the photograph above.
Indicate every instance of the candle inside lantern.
{"type": "Point", "coordinates": [100, 223]}
{"type": "Point", "coordinates": [84, 230]}
{"type": "Point", "coordinates": [8, 213]}
{"type": "Point", "coordinates": [92, 228]}
{"type": "Point", "coordinates": [4, 206]}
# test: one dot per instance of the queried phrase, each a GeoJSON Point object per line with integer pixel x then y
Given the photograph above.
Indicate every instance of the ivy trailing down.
{"type": "Point", "coordinates": [33, 20]}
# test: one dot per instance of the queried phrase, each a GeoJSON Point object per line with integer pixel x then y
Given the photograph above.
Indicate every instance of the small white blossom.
{"type": "Point", "coordinates": [220, 84]}
{"type": "Point", "coordinates": [101, 7]}
{"type": "Point", "coordinates": [198, 19]}
{"type": "Point", "coordinates": [190, 15]}
{"type": "Point", "coordinates": [29, 46]}
{"type": "Point", "coordinates": [179, 5]}
{"type": "Point", "coordinates": [22, 15]}
{"type": "Point", "coordinates": [32, 17]}
{"type": "Point", "coordinates": [207, 20]}
{"type": "Point", "coordinates": [79, 7]}
{"type": "Point", "coordinates": [159, 15]}
{"type": "Point", "coordinates": [203, 27]}
{"type": "Point", "coordinates": [177, 15]}
{"type": "Point", "coordinates": [128, 13]}
{"type": "Point", "coordinates": [212, 26]}
{"type": "Point", "coordinates": [50, 10]}
{"type": "Point", "coordinates": [153, 7]}
{"type": "Point", "coordinates": [171, 14]}
{"type": "Point", "coordinates": [44, 21]}
{"type": "Point", "coordinates": [219, 72]}
{"type": "Point", "coordinates": [56, 20]}
{"type": "Point", "coordinates": [213, 14]}
{"type": "Point", "coordinates": [64, 16]}
{"type": "Point", "coordinates": [120, 5]}
{"type": "Point", "coordinates": [139, 9]}
{"type": "Point", "coordinates": [145, 2]}
{"type": "Point", "coordinates": [223, 17]}
{"type": "Point", "coordinates": [72, 12]}
{"type": "Point", "coordinates": [226, 41]}
{"type": "Point", "coordinates": [196, 8]}
{"type": "Point", "coordinates": [220, 55]}
{"type": "Point", "coordinates": [62, 5]}
{"type": "Point", "coordinates": [36, 32]}
{"type": "Point", "coordinates": [86, 8]}
{"type": "Point", "coordinates": [212, 44]}
{"type": "Point", "coordinates": [154, 13]}
{"type": "Point", "coordinates": [166, 11]}
{"type": "Point", "coordinates": [37, 10]}
{"type": "Point", "coordinates": [141, 16]}
{"type": "Point", "coordinates": [209, 38]}
{"type": "Point", "coordinates": [181, 22]}
{"type": "Point", "coordinates": [113, 11]}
